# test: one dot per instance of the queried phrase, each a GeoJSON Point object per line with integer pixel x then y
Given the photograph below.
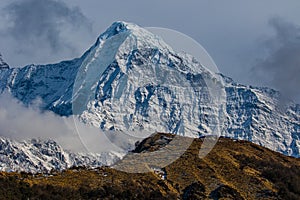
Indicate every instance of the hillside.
{"type": "Point", "coordinates": [232, 170]}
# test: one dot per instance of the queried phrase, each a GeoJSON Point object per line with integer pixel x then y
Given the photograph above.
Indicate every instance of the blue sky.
{"type": "Point", "coordinates": [254, 42]}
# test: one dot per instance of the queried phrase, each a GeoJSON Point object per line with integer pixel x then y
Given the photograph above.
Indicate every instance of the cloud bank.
{"type": "Point", "coordinates": [22, 123]}
{"type": "Point", "coordinates": [38, 31]}
{"type": "Point", "coordinates": [280, 68]}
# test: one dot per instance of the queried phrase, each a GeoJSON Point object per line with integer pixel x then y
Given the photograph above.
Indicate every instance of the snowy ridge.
{"type": "Point", "coordinates": [100, 88]}
{"type": "Point", "coordinates": [43, 156]}
{"type": "Point", "coordinates": [255, 114]}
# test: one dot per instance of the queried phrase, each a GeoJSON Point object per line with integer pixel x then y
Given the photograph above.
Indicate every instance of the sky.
{"type": "Point", "coordinates": [254, 42]}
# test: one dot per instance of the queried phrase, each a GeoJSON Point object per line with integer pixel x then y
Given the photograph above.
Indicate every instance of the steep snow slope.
{"type": "Point", "coordinates": [131, 80]}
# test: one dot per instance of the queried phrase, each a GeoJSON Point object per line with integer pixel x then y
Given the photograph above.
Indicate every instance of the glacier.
{"type": "Point", "coordinates": [130, 80]}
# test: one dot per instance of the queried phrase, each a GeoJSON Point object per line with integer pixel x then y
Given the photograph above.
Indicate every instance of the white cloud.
{"type": "Point", "coordinates": [20, 122]}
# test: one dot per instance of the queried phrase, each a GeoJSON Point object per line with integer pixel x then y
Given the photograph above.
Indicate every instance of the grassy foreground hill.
{"type": "Point", "coordinates": [232, 170]}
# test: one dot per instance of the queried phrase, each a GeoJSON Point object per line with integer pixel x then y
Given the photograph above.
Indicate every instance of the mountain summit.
{"type": "Point", "coordinates": [131, 80]}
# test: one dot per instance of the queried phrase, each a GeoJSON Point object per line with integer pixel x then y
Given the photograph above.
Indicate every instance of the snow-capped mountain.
{"type": "Point", "coordinates": [132, 80]}
{"type": "Point", "coordinates": [43, 156]}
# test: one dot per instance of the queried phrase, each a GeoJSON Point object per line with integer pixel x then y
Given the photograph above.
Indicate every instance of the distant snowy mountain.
{"type": "Point", "coordinates": [112, 87]}
{"type": "Point", "coordinates": [42, 156]}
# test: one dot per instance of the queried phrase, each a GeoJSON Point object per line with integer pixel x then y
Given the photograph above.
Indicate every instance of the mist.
{"type": "Point", "coordinates": [37, 31]}
{"type": "Point", "coordinates": [20, 122]}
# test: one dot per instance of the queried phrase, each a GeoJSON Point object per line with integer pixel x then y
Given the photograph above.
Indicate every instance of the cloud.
{"type": "Point", "coordinates": [22, 123]}
{"type": "Point", "coordinates": [280, 67]}
{"type": "Point", "coordinates": [43, 31]}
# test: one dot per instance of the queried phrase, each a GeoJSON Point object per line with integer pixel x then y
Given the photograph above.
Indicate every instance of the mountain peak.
{"type": "Point", "coordinates": [116, 28]}
{"type": "Point", "coordinates": [134, 34]}
{"type": "Point", "coordinates": [130, 60]}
